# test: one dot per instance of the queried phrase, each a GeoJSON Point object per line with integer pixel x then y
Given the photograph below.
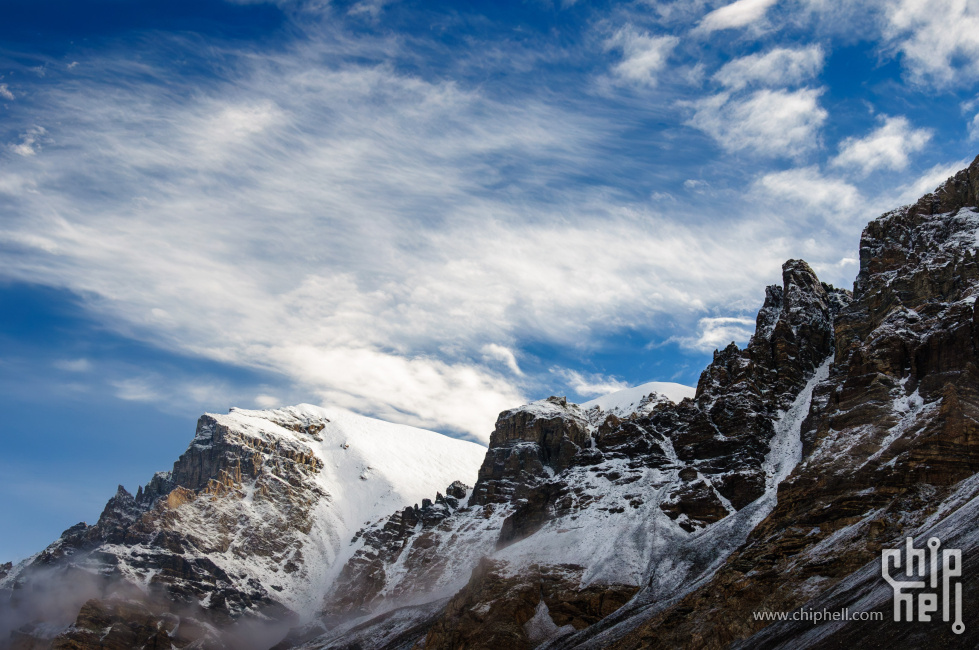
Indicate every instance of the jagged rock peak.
{"type": "Point", "coordinates": [959, 191]}
{"type": "Point", "coordinates": [913, 257]}
{"type": "Point", "coordinates": [529, 443]}
{"type": "Point", "coordinates": [793, 336]}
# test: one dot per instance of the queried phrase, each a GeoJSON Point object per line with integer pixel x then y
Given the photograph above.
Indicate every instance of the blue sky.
{"type": "Point", "coordinates": [422, 211]}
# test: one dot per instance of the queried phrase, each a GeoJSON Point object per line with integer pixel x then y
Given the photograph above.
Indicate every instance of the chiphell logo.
{"type": "Point", "coordinates": [919, 563]}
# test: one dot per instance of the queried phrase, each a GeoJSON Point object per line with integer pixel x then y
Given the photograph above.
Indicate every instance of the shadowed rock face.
{"type": "Point", "coordinates": [127, 624]}
{"type": "Point", "coordinates": [528, 445]}
{"type": "Point", "coordinates": [496, 608]}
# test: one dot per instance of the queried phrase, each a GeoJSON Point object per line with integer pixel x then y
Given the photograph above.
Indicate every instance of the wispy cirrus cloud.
{"type": "Point", "coordinates": [350, 228]}
{"type": "Point", "coordinates": [391, 239]}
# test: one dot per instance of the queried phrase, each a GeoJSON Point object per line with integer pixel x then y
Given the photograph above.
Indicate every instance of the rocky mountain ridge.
{"type": "Point", "coordinates": [849, 422]}
{"type": "Point", "coordinates": [598, 510]}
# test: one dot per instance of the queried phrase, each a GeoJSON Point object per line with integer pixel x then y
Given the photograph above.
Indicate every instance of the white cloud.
{"type": "Point", "coordinates": [717, 332]}
{"type": "Point", "coordinates": [493, 351]}
{"type": "Point", "coordinates": [175, 394]}
{"type": "Point", "coordinates": [768, 122]}
{"type": "Point", "coordinates": [371, 9]}
{"type": "Point", "coordinates": [643, 56]}
{"type": "Point", "coordinates": [974, 128]}
{"type": "Point", "coordinates": [807, 188]}
{"type": "Point", "coordinates": [736, 14]}
{"type": "Point", "coordinates": [236, 123]}
{"type": "Point", "coordinates": [267, 401]}
{"type": "Point", "coordinates": [589, 384]}
{"type": "Point", "coordinates": [137, 390]}
{"type": "Point", "coordinates": [887, 147]}
{"type": "Point", "coordinates": [938, 38]}
{"type": "Point", "coordinates": [5, 92]}
{"type": "Point", "coordinates": [777, 67]}
{"type": "Point", "coordinates": [29, 142]}
{"type": "Point", "coordinates": [351, 230]}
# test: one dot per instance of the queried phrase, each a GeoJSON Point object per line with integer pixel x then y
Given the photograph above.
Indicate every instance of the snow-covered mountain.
{"type": "Point", "coordinates": [256, 517]}
{"type": "Point", "coordinates": [649, 518]}
{"type": "Point", "coordinates": [640, 399]}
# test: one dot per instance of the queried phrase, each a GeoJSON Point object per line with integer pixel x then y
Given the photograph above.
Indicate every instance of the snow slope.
{"type": "Point", "coordinates": [370, 469]}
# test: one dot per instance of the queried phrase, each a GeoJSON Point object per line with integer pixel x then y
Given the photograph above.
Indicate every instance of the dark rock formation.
{"type": "Point", "coordinates": [496, 609]}
{"type": "Point", "coordinates": [891, 434]}
{"type": "Point", "coordinates": [528, 445]}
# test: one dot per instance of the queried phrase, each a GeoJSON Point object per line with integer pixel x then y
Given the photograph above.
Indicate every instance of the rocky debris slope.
{"type": "Point", "coordinates": [252, 523]}
{"type": "Point", "coordinates": [577, 511]}
{"type": "Point", "coordinates": [890, 449]}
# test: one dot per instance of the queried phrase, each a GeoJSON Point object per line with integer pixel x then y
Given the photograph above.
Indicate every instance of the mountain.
{"type": "Point", "coordinates": [652, 518]}
{"type": "Point", "coordinates": [890, 451]}
{"type": "Point", "coordinates": [577, 512]}
{"type": "Point", "coordinates": [251, 525]}
{"type": "Point", "coordinates": [641, 399]}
